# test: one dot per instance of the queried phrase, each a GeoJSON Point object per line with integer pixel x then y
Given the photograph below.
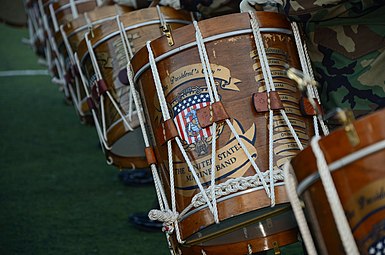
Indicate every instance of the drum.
{"type": "Point", "coordinates": [248, 218]}
{"type": "Point", "coordinates": [140, 26]}
{"type": "Point", "coordinates": [74, 32]}
{"type": "Point", "coordinates": [63, 12]}
{"type": "Point", "coordinates": [355, 157]}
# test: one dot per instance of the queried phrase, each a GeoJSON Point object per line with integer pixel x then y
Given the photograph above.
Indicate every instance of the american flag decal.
{"type": "Point", "coordinates": [186, 119]}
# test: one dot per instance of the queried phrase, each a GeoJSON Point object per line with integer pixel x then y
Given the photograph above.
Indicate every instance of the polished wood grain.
{"type": "Point", "coordinates": [235, 52]}
{"type": "Point", "coordinates": [112, 60]}
{"type": "Point", "coordinates": [353, 182]}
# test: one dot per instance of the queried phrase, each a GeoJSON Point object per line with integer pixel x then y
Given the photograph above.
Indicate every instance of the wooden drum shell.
{"type": "Point", "coordinates": [141, 26]}
{"type": "Point", "coordinates": [358, 184]}
{"type": "Point", "coordinates": [75, 31]}
{"type": "Point", "coordinates": [233, 55]}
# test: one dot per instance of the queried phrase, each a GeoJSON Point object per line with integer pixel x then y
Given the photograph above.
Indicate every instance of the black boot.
{"type": "Point", "coordinates": [142, 222]}
{"type": "Point", "coordinates": [136, 177]}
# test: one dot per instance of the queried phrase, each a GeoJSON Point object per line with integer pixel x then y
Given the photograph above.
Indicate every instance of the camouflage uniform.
{"type": "Point", "coordinates": [346, 42]}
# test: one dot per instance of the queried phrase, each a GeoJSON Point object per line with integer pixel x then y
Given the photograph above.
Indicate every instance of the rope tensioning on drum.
{"type": "Point", "coordinates": [270, 89]}
{"type": "Point", "coordinates": [74, 9]}
{"type": "Point", "coordinates": [165, 113]}
{"type": "Point", "coordinates": [70, 53]}
{"type": "Point", "coordinates": [92, 107]}
{"type": "Point", "coordinates": [339, 216]}
{"type": "Point", "coordinates": [47, 33]}
{"type": "Point", "coordinates": [334, 200]}
{"type": "Point", "coordinates": [308, 72]}
{"type": "Point", "coordinates": [53, 18]}
{"type": "Point", "coordinates": [103, 90]}
{"type": "Point", "coordinates": [129, 54]}
{"type": "Point", "coordinates": [34, 31]}
{"type": "Point", "coordinates": [290, 185]}
{"type": "Point", "coordinates": [169, 217]}
{"type": "Point", "coordinates": [51, 45]}
{"type": "Point", "coordinates": [166, 117]}
{"type": "Point", "coordinates": [101, 85]}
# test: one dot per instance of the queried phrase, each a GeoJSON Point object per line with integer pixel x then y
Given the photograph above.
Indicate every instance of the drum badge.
{"type": "Point", "coordinates": [187, 121]}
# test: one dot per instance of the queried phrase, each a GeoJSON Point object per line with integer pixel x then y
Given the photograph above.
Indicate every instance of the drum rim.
{"type": "Point", "coordinates": [338, 164]}
{"type": "Point", "coordinates": [205, 40]}
{"type": "Point", "coordinates": [116, 33]}
{"type": "Point", "coordinates": [65, 6]}
{"type": "Point", "coordinates": [191, 212]}
{"type": "Point", "coordinates": [347, 158]}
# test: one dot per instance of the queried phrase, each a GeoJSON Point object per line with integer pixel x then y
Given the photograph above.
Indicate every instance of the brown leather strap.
{"type": "Point", "coordinates": [214, 112]}
{"type": "Point", "coordinates": [102, 86]}
{"type": "Point", "coordinates": [150, 155]}
{"type": "Point", "coordinates": [275, 101]}
{"type": "Point", "coordinates": [166, 131]}
{"type": "Point", "coordinates": [306, 107]}
{"type": "Point", "coordinates": [91, 103]}
{"type": "Point", "coordinates": [260, 102]}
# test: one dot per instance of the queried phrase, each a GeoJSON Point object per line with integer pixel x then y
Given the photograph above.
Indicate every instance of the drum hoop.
{"type": "Point", "coordinates": [120, 122]}
{"type": "Point", "coordinates": [151, 22]}
{"type": "Point", "coordinates": [238, 226]}
{"type": "Point", "coordinates": [97, 22]}
{"type": "Point", "coordinates": [336, 165]}
{"type": "Point", "coordinates": [69, 4]}
{"type": "Point", "coordinates": [188, 214]}
{"type": "Point", "coordinates": [205, 40]}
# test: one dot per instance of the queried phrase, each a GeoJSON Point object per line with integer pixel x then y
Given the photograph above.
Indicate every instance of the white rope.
{"type": "Point", "coordinates": [213, 170]}
{"type": "Point", "coordinates": [75, 96]}
{"type": "Point", "coordinates": [74, 9]}
{"type": "Point", "coordinates": [122, 116]}
{"type": "Point", "coordinates": [67, 45]}
{"type": "Point", "coordinates": [214, 93]}
{"type": "Point", "coordinates": [290, 185]}
{"type": "Point", "coordinates": [232, 186]}
{"type": "Point", "coordinates": [93, 57]}
{"type": "Point", "coordinates": [269, 83]}
{"type": "Point", "coordinates": [206, 65]}
{"type": "Point", "coordinates": [161, 195]}
{"type": "Point", "coordinates": [308, 72]}
{"type": "Point", "coordinates": [166, 116]}
{"type": "Point", "coordinates": [334, 201]}
{"type": "Point", "coordinates": [47, 29]}
{"type": "Point", "coordinates": [213, 98]}
{"type": "Point", "coordinates": [103, 116]}
{"type": "Point", "coordinates": [102, 140]}
{"type": "Point", "coordinates": [53, 18]}
{"type": "Point", "coordinates": [161, 17]}
{"type": "Point", "coordinates": [249, 249]}
{"type": "Point", "coordinates": [129, 54]}
{"type": "Point", "coordinates": [99, 77]}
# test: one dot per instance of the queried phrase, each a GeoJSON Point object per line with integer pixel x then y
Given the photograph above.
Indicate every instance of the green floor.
{"type": "Point", "coordinates": [57, 195]}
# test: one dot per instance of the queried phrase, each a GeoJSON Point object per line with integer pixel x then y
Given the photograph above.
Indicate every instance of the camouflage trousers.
{"type": "Point", "coordinates": [357, 84]}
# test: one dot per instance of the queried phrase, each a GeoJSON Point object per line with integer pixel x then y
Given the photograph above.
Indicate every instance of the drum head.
{"type": "Point", "coordinates": [260, 223]}
{"type": "Point", "coordinates": [13, 13]}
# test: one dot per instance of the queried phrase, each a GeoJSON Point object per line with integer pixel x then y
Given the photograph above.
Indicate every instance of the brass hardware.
{"type": "Point", "coordinates": [277, 251]}
{"type": "Point", "coordinates": [346, 118]}
{"type": "Point", "coordinates": [166, 30]}
{"type": "Point", "coordinates": [303, 81]}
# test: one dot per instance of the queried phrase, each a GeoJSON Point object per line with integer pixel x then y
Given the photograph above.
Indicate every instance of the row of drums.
{"type": "Point", "coordinates": [231, 129]}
